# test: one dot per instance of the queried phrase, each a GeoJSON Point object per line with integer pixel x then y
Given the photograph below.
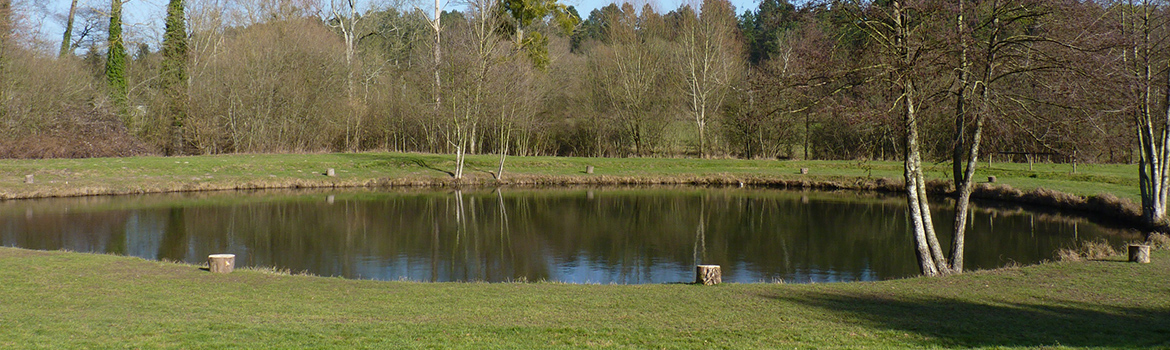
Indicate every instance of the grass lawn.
{"type": "Point", "coordinates": [76, 300]}
{"type": "Point", "coordinates": [62, 177]}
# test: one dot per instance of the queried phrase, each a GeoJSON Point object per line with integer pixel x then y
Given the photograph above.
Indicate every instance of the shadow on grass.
{"type": "Point", "coordinates": [397, 161]}
{"type": "Point", "coordinates": [959, 323]}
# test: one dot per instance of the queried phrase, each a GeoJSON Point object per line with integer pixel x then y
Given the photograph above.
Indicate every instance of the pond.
{"type": "Point", "coordinates": [573, 235]}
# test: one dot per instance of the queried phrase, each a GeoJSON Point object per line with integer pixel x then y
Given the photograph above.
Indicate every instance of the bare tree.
{"type": "Point", "coordinates": [898, 31]}
{"type": "Point", "coordinates": [1144, 33]}
{"type": "Point", "coordinates": [1004, 47]}
{"type": "Point", "coordinates": [711, 61]}
{"type": "Point", "coordinates": [631, 75]}
{"type": "Point", "coordinates": [347, 19]}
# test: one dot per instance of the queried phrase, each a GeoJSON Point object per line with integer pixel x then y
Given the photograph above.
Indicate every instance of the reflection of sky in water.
{"type": "Point", "coordinates": [608, 237]}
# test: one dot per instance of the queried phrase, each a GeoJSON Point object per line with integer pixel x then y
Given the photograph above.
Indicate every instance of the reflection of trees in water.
{"type": "Point", "coordinates": [75, 231]}
{"type": "Point", "coordinates": [619, 235]}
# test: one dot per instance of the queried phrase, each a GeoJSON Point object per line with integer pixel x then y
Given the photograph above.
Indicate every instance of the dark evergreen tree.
{"type": "Point", "coordinates": [116, 61]}
{"type": "Point", "coordinates": [173, 75]}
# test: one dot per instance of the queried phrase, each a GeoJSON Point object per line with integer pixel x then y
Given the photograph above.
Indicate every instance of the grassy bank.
{"type": "Point", "coordinates": [72, 177]}
{"type": "Point", "coordinates": [76, 300]}
{"type": "Point", "coordinates": [71, 300]}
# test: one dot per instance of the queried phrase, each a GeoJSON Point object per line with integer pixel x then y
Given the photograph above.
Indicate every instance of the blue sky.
{"type": "Point", "coordinates": [143, 18]}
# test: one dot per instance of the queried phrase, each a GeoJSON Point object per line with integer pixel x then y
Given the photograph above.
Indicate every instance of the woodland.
{"type": "Point", "coordinates": [1055, 80]}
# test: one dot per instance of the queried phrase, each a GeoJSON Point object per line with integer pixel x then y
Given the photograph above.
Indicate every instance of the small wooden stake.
{"type": "Point", "coordinates": [708, 275]}
{"type": "Point", "coordinates": [221, 263]}
{"type": "Point", "coordinates": [991, 179]}
{"type": "Point", "coordinates": [330, 173]}
{"type": "Point", "coordinates": [1139, 253]}
{"type": "Point", "coordinates": [28, 179]}
{"type": "Point", "coordinates": [804, 171]}
{"type": "Point", "coordinates": [588, 169]}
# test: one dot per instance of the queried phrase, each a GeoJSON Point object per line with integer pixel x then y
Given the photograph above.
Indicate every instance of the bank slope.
{"type": "Point", "coordinates": [72, 300]}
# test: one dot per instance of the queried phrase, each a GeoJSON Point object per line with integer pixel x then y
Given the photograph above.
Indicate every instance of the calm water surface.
{"type": "Point", "coordinates": [603, 235]}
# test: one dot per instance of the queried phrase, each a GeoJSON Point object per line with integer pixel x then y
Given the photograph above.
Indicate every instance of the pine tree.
{"type": "Point", "coordinates": [173, 74]}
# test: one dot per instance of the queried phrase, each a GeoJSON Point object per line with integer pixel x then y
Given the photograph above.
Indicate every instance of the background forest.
{"type": "Point", "coordinates": [1062, 78]}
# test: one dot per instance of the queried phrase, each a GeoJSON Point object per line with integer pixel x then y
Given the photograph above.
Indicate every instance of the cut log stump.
{"type": "Point", "coordinates": [804, 171]}
{"type": "Point", "coordinates": [330, 173]}
{"type": "Point", "coordinates": [1139, 253]}
{"type": "Point", "coordinates": [708, 275]}
{"type": "Point", "coordinates": [28, 179]}
{"type": "Point", "coordinates": [991, 179]}
{"type": "Point", "coordinates": [588, 169]}
{"type": "Point", "coordinates": [221, 263]}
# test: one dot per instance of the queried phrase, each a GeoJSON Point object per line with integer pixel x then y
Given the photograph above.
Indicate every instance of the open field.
{"type": "Point", "coordinates": [76, 300]}
{"type": "Point", "coordinates": [70, 177]}
{"type": "Point", "coordinates": [79, 300]}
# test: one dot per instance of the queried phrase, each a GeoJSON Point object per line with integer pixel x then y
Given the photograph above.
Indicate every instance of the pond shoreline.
{"type": "Point", "coordinates": [1107, 206]}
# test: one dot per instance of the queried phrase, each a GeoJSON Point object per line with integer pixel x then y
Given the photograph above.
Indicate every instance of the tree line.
{"type": "Point", "coordinates": [1044, 77]}
{"type": "Point", "coordinates": [909, 80]}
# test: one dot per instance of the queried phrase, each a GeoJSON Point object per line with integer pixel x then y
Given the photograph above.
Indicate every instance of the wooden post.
{"type": "Point", "coordinates": [708, 275]}
{"type": "Point", "coordinates": [588, 169]}
{"type": "Point", "coordinates": [804, 171]}
{"type": "Point", "coordinates": [330, 173]}
{"type": "Point", "coordinates": [221, 263]}
{"type": "Point", "coordinates": [28, 179]}
{"type": "Point", "coordinates": [1139, 253]}
{"type": "Point", "coordinates": [991, 179]}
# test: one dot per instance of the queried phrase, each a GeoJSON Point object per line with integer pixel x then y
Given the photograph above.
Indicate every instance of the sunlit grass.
{"type": "Point", "coordinates": [71, 300]}
{"type": "Point", "coordinates": [76, 300]}
{"type": "Point", "coordinates": [63, 177]}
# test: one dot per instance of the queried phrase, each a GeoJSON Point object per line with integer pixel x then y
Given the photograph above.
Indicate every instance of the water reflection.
{"type": "Point", "coordinates": [602, 235]}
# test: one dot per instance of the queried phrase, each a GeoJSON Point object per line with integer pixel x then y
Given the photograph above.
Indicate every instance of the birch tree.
{"type": "Point", "coordinates": [999, 47]}
{"type": "Point", "coordinates": [346, 19]}
{"type": "Point", "coordinates": [899, 33]}
{"type": "Point", "coordinates": [711, 62]}
{"type": "Point", "coordinates": [1143, 29]}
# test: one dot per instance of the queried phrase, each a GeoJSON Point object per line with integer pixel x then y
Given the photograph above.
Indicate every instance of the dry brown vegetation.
{"type": "Point", "coordinates": [1089, 250]}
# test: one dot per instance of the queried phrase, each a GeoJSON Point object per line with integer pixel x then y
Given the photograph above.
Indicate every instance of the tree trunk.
{"type": "Point", "coordinates": [1139, 253]}
{"type": "Point", "coordinates": [221, 263]}
{"type": "Point", "coordinates": [116, 63]}
{"type": "Point", "coordinates": [919, 213]}
{"type": "Point", "coordinates": [67, 37]}
{"type": "Point", "coordinates": [708, 275]}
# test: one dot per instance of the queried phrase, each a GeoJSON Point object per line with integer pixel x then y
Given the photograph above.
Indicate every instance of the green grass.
{"type": "Point", "coordinates": [64, 177]}
{"type": "Point", "coordinates": [72, 300]}
{"type": "Point", "coordinates": [75, 300]}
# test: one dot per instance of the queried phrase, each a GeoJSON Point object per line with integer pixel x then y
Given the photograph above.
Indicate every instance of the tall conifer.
{"type": "Point", "coordinates": [116, 61]}
{"type": "Point", "coordinates": [174, 73]}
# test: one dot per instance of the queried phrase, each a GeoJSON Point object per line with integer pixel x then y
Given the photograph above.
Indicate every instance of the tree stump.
{"type": "Point", "coordinates": [804, 171]}
{"type": "Point", "coordinates": [1139, 253]}
{"type": "Point", "coordinates": [991, 179]}
{"type": "Point", "coordinates": [708, 275]}
{"type": "Point", "coordinates": [330, 173]}
{"type": "Point", "coordinates": [28, 179]}
{"type": "Point", "coordinates": [588, 169]}
{"type": "Point", "coordinates": [221, 263]}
